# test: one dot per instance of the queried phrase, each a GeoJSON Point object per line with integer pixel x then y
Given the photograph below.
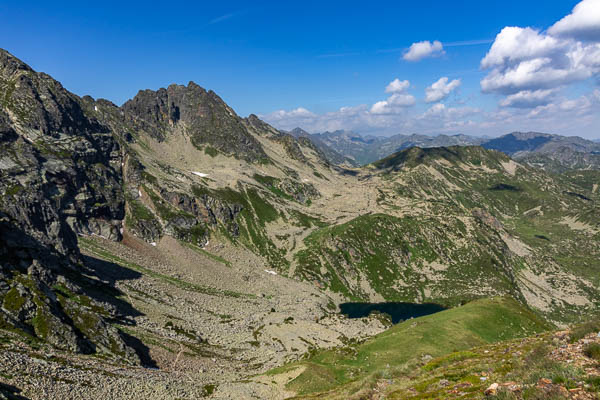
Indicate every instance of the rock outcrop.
{"type": "Point", "coordinates": [201, 114]}
{"type": "Point", "coordinates": [59, 176]}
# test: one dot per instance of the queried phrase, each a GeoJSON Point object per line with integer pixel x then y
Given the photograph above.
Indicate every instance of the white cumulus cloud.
{"type": "Point", "coordinates": [393, 104]}
{"type": "Point", "coordinates": [514, 44]}
{"type": "Point", "coordinates": [528, 98]}
{"type": "Point", "coordinates": [420, 50]}
{"type": "Point", "coordinates": [439, 110]}
{"type": "Point", "coordinates": [397, 101]}
{"type": "Point", "coordinates": [397, 86]}
{"type": "Point", "coordinates": [583, 23]}
{"type": "Point", "coordinates": [299, 112]}
{"type": "Point", "coordinates": [527, 59]}
{"type": "Point", "coordinates": [440, 90]}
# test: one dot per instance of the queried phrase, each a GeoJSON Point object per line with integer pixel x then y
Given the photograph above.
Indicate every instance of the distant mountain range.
{"type": "Point", "coordinates": [329, 151]}
{"type": "Point", "coordinates": [366, 149]}
{"type": "Point", "coordinates": [552, 152]}
{"type": "Point", "coordinates": [519, 143]}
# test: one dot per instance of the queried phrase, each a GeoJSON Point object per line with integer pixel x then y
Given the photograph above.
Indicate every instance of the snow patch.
{"type": "Point", "coordinates": [95, 108]}
{"type": "Point", "coordinates": [268, 271]}
{"type": "Point", "coordinates": [140, 192]}
{"type": "Point", "coordinates": [200, 174]}
{"type": "Point", "coordinates": [153, 244]}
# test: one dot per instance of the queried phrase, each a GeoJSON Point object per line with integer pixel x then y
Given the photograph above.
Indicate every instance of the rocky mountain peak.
{"type": "Point", "coordinates": [203, 114]}
{"type": "Point", "coordinates": [299, 132]}
{"type": "Point", "coordinates": [59, 176]}
{"type": "Point", "coordinates": [11, 65]}
{"type": "Point", "coordinates": [260, 126]}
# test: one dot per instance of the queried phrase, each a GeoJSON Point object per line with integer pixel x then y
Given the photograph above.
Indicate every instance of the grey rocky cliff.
{"type": "Point", "coordinates": [71, 167]}
{"type": "Point", "coordinates": [59, 176]}
{"type": "Point", "coordinates": [201, 114]}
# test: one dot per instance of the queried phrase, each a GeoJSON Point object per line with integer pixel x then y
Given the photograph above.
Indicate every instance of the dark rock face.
{"type": "Point", "coordinates": [52, 147]}
{"type": "Point", "coordinates": [200, 113]}
{"type": "Point", "coordinates": [291, 146]}
{"type": "Point", "coordinates": [206, 212]}
{"type": "Point", "coordinates": [301, 192]}
{"type": "Point", "coordinates": [66, 169]}
{"type": "Point", "coordinates": [260, 126]}
{"type": "Point", "coordinates": [60, 174]}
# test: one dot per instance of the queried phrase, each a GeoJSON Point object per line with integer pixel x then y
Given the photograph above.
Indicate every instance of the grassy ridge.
{"type": "Point", "coordinates": [476, 323]}
{"type": "Point", "coordinates": [393, 255]}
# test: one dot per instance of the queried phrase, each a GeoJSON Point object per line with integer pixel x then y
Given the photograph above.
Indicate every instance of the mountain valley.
{"type": "Point", "coordinates": [169, 248]}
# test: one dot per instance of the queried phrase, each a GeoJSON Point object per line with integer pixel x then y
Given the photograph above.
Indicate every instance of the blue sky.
{"type": "Point", "coordinates": [326, 65]}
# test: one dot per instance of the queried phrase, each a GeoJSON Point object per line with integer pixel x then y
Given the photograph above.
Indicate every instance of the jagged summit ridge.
{"type": "Point", "coordinates": [202, 114]}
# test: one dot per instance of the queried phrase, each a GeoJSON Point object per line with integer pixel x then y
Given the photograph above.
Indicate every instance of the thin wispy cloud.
{"type": "Point", "coordinates": [468, 42]}
{"type": "Point", "coordinates": [396, 50]}
{"type": "Point", "coordinates": [337, 55]}
{"type": "Point", "coordinates": [200, 27]}
{"type": "Point", "coordinates": [445, 44]}
{"type": "Point", "coordinates": [221, 18]}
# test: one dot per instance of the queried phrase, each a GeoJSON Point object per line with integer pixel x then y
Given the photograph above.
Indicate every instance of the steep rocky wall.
{"type": "Point", "coordinates": [60, 175]}
{"type": "Point", "coordinates": [201, 113]}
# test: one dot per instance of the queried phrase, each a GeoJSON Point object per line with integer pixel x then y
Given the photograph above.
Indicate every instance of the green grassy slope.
{"type": "Point", "coordinates": [557, 365]}
{"type": "Point", "coordinates": [469, 223]}
{"type": "Point", "coordinates": [409, 259]}
{"type": "Point", "coordinates": [476, 323]}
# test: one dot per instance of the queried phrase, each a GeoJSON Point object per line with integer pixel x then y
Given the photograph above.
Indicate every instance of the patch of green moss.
{"type": "Point", "coordinates": [190, 334]}
{"type": "Point", "coordinates": [208, 389]}
{"type": "Point", "coordinates": [139, 211]}
{"type": "Point", "coordinates": [149, 178]}
{"type": "Point", "coordinates": [211, 151]}
{"type": "Point", "coordinates": [14, 190]}
{"type": "Point", "coordinates": [13, 301]}
{"type": "Point", "coordinates": [306, 221]}
{"type": "Point", "coordinates": [208, 254]}
{"type": "Point", "coordinates": [164, 209]}
{"type": "Point", "coordinates": [263, 209]}
{"type": "Point", "coordinates": [41, 322]}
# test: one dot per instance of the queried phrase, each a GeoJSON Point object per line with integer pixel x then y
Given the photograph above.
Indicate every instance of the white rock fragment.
{"type": "Point", "coordinates": [153, 244]}
{"type": "Point", "coordinates": [492, 390]}
{"type": "Point", "coordinates": [268, 271]}
{"type": "Point", "coordinates": [200, 174]}
{"type": "Point", "coordinates": [140, 192]}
